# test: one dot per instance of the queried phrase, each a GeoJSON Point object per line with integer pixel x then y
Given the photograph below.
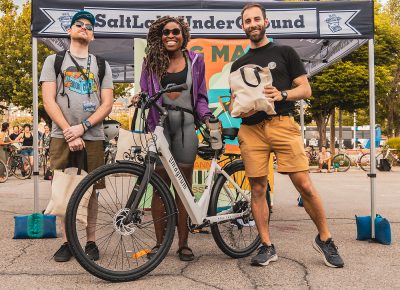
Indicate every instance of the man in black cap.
{"type": "Point", "coordinates": [77, 103]}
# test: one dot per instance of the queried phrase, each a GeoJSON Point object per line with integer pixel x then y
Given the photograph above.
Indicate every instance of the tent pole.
{"type": "Point", "coordinates": [372, 175]}
{"type": "Point", "coordinates": [35, 126]}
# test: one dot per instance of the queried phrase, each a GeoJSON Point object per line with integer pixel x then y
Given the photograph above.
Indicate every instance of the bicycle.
{"type": "Point", "coordinates": [17, 164]}
{"type": "Point", "coordinates": [312, 156]}
{"type": "Point", "coordinates": [387, 153]}
{"type": "Point", "coordinates": [44, 159]}
{"type": "Point", "coordinates": [126, 224]}
{"type": "Point", "coordinates": [3, 172]}
{"type": "Point", "coordinates": [342, 162]}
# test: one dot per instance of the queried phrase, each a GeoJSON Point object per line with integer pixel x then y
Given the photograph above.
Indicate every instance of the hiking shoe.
{"type": "Point", "coordinates": [63, 254]}
{"type": "Point", "coordinates": [92, 251]}
{"type": "Point", "coordinates": [265, 255]}
{"type": "Point", "coordinates": [329, 251]}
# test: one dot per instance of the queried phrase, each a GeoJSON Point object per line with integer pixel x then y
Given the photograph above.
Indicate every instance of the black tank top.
{"type": "Point", "coordinates": [28, 141]}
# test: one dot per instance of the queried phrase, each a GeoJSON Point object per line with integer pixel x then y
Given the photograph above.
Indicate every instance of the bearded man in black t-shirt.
{"type": "Point", "coordinates": [260, 134]}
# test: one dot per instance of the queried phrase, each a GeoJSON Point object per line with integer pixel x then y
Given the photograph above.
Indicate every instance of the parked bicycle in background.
{"type": "Point", "coordinates": [341, 162]}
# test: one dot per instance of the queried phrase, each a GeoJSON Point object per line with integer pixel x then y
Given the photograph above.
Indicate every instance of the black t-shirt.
{"type": "Point", "coordinates": [13, 136]}
{"type": "Point", "coordinates": [285, 65]}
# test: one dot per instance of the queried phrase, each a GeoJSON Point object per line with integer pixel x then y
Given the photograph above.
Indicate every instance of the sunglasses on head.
{"type": "Point", "coordinates": [80, 24]}
{"type": "Point", "coordinates": [175, 31]}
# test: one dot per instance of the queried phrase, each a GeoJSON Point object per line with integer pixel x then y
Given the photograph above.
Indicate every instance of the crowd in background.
{"type": "Point", "coordinates": [21, 137]}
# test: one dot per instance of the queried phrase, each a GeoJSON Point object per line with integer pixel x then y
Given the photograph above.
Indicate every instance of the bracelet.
{"type": "Point", "coordinates": [84, 128]}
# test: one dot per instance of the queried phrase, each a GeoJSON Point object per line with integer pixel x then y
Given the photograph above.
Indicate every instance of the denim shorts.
{"type": "Point", "coordinates": [27, 151]}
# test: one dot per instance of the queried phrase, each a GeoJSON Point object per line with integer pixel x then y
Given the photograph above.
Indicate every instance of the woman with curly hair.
{"type": "Point", "coordinates": [168, 61]}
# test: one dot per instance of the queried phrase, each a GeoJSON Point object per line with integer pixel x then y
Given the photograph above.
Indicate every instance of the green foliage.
{"type": "Point", "coordinates": [124, 119]}
{"type": "Point", "coordinates": [122, 90]}
{"type": "Point", "coordinates": [394, 143]}
{"type": "Point", "coordinates": [16, 56]}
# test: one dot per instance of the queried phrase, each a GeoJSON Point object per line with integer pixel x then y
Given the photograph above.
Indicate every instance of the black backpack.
{"type": "Point", "coordinates": [101, 64]}
{"type": "Point", "coordinates": [384, 165]}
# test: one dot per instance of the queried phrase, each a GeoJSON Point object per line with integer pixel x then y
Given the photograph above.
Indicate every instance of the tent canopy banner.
{"type": "Point", "coordinates": [208, 19]}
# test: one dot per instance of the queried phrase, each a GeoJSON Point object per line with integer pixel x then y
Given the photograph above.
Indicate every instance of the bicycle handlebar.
{"type": "Point", "coordinates": [170, 88]}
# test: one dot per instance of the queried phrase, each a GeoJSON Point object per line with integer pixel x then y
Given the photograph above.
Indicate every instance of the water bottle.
{"type": "Point", "coordinates": [215, 134]}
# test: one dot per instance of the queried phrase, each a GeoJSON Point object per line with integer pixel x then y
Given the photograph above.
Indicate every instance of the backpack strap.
{"type": "Point", "coordinates": [59, 61]}
{"type": "Point", "coordinates": [101, 64]}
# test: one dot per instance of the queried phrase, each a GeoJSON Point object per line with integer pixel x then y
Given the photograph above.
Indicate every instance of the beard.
{"type": "Point", "coordinates": [256, 37]}
{"type": "Point", "coordinates": [81, 40]}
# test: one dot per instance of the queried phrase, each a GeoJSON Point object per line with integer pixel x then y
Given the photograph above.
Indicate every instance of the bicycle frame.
{"type": "Point", "coordinates": [197, 210]}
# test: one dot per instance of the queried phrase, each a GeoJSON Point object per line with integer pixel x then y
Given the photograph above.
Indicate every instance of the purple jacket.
{"type": "Point", "coordinates": [150, 84]}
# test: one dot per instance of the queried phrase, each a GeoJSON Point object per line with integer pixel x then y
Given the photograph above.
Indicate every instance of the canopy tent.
{"type": "Point", "coordinates": [321, 32]}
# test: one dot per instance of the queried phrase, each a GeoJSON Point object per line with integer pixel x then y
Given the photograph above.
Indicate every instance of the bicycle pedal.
{"type": "Point", "coordinates": [139, 254]}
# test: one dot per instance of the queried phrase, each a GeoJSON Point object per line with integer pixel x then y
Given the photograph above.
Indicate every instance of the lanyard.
{"type": "Point", "coordinates": [86, 76]}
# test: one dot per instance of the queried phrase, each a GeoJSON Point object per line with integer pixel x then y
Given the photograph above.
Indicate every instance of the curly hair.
{"type": "Point", "coordinates": [157, 60]}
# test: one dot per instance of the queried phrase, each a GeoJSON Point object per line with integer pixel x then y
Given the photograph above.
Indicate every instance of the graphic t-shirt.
{"type": "Point", "coordinates": [81, 96]}
{"type": "Point", "coordinates": [285, 65]}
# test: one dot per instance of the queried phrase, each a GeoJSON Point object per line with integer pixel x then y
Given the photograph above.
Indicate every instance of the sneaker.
{"type": "Point", "coordinates": [92, 251]}
{"type": "Point", "coordinates": [265, 255]}
{"type": "Point", "coordinates": [63, 254]}
{"type": "Point", "coordinates": [329, 251]}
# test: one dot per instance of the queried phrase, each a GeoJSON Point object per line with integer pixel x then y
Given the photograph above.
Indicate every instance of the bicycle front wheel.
{"type": "Point", "coordinates": [239, 237]}
{"type": "Point", "coordinates": [19, 166]}
{"type": "Point", "coordinates": [365, 162]}
{"type": "Point", "coordinates": [3, 172]}
{"type": "Point", "coordinates": [341, 162]}
{"type": "Point", "coordinates": [123, 246]}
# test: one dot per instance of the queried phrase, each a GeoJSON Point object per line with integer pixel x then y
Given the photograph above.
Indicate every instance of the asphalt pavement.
{"type": "Point", "coordinates": [28, 264]}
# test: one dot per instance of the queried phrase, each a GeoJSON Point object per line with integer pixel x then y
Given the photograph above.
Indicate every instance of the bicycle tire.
{"type": "Point", "coordinates": [16, 165]}
{"type": "Point", "coordinates": [3, 172]}
{"type": "Point", "coordinates": [341, 162]}
{"type": "Point", "coordinates": [236, 171]}
{"type": "Point", "coordinates": [365, 162]}
{"type": "Point", "coordinates": [111, 214]}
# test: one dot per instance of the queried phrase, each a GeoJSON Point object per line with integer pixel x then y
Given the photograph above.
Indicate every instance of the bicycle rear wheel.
{"type": "Point", "coordinates": [19, 166]}
{"type": "Point", "coordinates": [123, 246]}
{"type": "Point", "coordinates": [341, 162]}
{"type": "Point", "coordinates": [237, 238]}
{"type": "Point", "coordinates": [3, 172]}
{"type": "Point", "coordinates": [365, 162]}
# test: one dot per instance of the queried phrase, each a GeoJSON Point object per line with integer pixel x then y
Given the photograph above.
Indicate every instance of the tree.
{"type": "Point", "coordinates": [343, 85]}
{"type": "Point", "coordinates": [387, 65]}
{"type": "Point", "coordinates": [16, 56]}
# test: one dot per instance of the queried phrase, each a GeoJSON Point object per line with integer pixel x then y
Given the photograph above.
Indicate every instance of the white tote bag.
{"type": "Point", "coordinates": [63, 185]}
{"type": "Point", "coordinates": [247, 84]}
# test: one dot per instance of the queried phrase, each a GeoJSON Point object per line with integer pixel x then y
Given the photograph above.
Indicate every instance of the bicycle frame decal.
{"type": "Point", "coordinates": [177, 172]}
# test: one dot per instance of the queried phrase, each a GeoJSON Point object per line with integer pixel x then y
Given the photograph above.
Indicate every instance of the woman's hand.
{"type": "Point", "coordinates": [135, 100]}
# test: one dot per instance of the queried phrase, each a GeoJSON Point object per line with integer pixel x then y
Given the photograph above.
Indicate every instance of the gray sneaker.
{"type": "Point", "coordinates": [265, 255]}
{"type": "Point", "coordinates": [329, 252]}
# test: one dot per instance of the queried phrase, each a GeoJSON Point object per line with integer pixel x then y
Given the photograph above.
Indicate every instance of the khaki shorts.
{"type": "Point", "coordinates": [281, 135]}
{"type": "Point", "coordinates": [59, 152]}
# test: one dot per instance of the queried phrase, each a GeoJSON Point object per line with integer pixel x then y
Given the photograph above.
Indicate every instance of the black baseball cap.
{"type": "Point", "coordinates": [83, 14]}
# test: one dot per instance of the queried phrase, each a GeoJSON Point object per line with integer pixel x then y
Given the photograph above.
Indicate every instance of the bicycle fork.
{"type": "Point", "coordinates": [140, 187]}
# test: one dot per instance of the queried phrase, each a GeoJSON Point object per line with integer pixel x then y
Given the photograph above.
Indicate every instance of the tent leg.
{"type": "Point", "coordinates": [35, 125]}
{"type": "Point", "coordinates": [372, 175]}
